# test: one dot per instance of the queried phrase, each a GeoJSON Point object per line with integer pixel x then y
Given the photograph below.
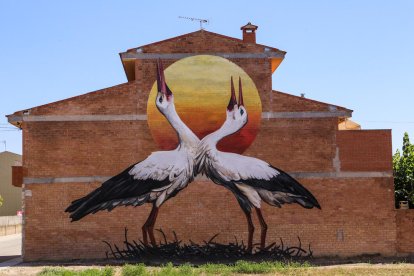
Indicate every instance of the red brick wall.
{"type": "Point", "coordinates": [310, 144]}
{"type": "Point", "coordinates": [62, 149]}
{"type": "Point", "coordinates": [405, 226]}
{"type": "Point", "coordinates": [98, 102]}
{"type": "Point", "coordinates": [85, 148]}
{"type": "Point", "coordinates": [202, 42]}
{"type": "Point", "coordinates": [367, 223]}
{"type": "Point", "coordinates": [365, 150]}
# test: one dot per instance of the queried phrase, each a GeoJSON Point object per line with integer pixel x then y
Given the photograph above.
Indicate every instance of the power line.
{"type": "Point", "coordinates": [9, 129]}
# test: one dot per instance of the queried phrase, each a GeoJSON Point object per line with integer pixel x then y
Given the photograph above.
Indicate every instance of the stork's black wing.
{"type": "Point", "coordinates": [254, 177]}
{"type": "Point", "coordinates": [120, 190]}
{"type": "Point", "coordinates": [140, 183]}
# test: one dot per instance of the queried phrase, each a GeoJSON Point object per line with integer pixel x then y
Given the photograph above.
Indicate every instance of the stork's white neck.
{"type": "Point", "coordinates": [226, 129]}
{"type": "Point", "coordinates": [185, 136]}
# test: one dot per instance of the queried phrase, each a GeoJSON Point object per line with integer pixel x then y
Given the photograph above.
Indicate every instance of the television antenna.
{"type": "Point", "coordinates": [5, 144]}
{"type": "Point", "coordinates": [201, 20]}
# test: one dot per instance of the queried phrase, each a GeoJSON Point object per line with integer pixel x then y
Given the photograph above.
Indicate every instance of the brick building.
{"type": "Point", "coordinates": [12, 195]}
{"type": "Point", "coordinates": [69, 149]}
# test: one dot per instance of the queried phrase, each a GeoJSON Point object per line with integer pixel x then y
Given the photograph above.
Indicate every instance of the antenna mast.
{"type": "Point", "coordinates": [201, 20]}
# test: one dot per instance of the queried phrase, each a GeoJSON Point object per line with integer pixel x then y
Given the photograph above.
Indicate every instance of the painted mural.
{"type": "Point", "coordinates": [201, 86]}
{"type": "Point", "coordinates": [203, 126]}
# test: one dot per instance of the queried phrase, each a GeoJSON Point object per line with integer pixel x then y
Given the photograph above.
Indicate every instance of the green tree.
{"type": "Point", "coordinates": [403, 165]}
{"type": "Point", "coordinates": [1, 201]}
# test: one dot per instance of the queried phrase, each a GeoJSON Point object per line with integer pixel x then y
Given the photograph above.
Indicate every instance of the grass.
{"type": "Point", "coordinates": [241, 267]}
{"type": "Point", "coordinates": [133, 270]}
{"type": "Point", "coordinates": [59, 271]}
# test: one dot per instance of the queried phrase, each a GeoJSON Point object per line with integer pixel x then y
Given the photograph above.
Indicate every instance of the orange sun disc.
{"type": "Point", "coordinates": [201, 88]}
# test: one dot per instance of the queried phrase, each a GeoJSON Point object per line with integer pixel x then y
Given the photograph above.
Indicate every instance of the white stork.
{"type": "Point", "coordinates": [251, 180]}
{"type": "Point", "coordinates": [154, 180]}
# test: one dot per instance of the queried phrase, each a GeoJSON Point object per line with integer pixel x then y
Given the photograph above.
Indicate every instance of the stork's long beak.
{"type": "Point", "coordinates": [233, 100]}
{"type": "Point", "coordinates": [161, 84]}
{"type": "Point", "coordinates": [241, 103]}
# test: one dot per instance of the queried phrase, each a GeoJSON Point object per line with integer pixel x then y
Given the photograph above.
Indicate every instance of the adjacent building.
{"type": "Point", "coordinates": [12, 195]}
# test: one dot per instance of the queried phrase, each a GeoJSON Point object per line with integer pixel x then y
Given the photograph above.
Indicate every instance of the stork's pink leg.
{"type": "Point", "coordinates": [251, 231]}
{"type": "Point", "coordinates": [147, 224]}
{"type": "Point", "coordinates": [264, 228]}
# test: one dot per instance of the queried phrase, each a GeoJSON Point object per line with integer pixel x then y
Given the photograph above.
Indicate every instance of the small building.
{"type": "Point", "coordinates": [71, 146]}
{"type": "Point", "coordinates": [12, 195]}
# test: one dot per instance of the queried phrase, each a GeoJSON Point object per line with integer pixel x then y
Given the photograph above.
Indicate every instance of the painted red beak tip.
{"type": "Point", "coordinates": [233, 100]}
{"type": "Point", "coordinates": [161, 85]}
{"type": "Point", "coordinates": [241, 103]}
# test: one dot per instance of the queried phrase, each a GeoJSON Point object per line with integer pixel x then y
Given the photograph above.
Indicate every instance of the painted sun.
{"type": "Point", "coordinates": [201, 88]}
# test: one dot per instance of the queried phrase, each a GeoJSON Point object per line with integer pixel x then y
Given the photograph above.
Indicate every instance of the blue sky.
{"type": "Point", "coordinates": [357, 54]}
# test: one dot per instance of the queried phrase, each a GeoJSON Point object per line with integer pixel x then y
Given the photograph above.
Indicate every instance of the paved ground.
{"type": "Point", "coordinates": [10, 247]}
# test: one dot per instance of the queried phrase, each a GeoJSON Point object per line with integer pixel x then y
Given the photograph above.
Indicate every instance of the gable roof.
{"type": "Point", "coordinates": [287, 102]}
{"type": "Point", "coordinates": [147, 47]}
{"type": "Point", "coordinates": [96, 102]}
{"type": "Point", "coordinates": [194, 43]}
{"type": "Point", "coordinates": [9, 155]}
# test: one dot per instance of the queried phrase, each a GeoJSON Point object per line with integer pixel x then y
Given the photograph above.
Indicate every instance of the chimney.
{"type": "Point", "coordinates": [249, 33]}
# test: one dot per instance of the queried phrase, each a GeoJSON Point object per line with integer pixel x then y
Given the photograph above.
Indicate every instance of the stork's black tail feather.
{"type": "Point", "coordinates": [74, 205]}
{"type": "Point", "coordinates": [305, 197]}
{"type": "Point", "coordinates": [283, 189]}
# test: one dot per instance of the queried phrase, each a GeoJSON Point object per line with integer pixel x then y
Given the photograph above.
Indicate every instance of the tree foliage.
{"type": "Point", "coordinates": [403, 165]}
{"type": "Point", "coordinates": [1, 201]}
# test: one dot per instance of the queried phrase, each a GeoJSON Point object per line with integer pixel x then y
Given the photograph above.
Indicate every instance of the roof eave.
{"type": "Point", "coordinates": [15, 119]}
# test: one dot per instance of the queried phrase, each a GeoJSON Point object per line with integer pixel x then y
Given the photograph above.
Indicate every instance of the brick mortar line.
{"type": "Point", "coordinates": [306, 175]}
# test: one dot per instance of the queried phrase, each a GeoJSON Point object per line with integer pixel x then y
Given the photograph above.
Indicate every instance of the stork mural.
{"type": "Point", "coordinates": [218, 155]}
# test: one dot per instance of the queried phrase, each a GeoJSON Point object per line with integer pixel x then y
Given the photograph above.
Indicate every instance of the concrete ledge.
{"type": "Point", "coordinates": [143, 117]}
{"type": "Point", "coordinates": [340, 174]}
{"type": "Point", "coordinates": [78, 118]}
{"type": "Point", "coordinates": [78, 179]}
{"type": "Point", "coordinates": [93, 179]}
{"type": "Point", "coordinates": [131, 55]}
{"type": "Point", "coordinates": [305, 114]}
